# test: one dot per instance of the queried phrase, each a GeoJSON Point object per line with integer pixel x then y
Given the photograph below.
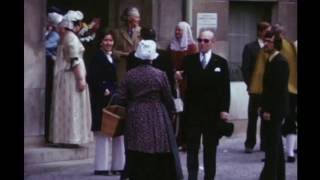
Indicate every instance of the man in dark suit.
{"type": "Point", "coordinates": [274, 107]}
{"type": "Point", "coordinates": [163, 61]}
{"type": "Point", "coordinates": [207, 102]}
{"type": "Point", "coordinates": [249, 58]}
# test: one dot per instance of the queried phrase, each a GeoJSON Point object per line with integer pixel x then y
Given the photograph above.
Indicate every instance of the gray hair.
{"type": "Point", "coordinates": [129, 12]}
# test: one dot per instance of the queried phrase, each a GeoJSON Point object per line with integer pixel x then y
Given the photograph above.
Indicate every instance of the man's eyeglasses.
{"type": "Point", "coordinates": [204, 40]}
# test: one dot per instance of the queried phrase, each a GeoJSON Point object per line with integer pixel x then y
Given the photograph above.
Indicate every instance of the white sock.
{"type": "Point", "coordinates": [290, 141]}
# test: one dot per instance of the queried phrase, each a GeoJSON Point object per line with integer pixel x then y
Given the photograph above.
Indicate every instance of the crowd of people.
{"type": "Point", "coordinates": [126, 65]}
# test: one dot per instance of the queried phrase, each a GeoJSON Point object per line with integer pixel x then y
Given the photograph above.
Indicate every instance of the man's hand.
{"type": "Point", "coordinates": [81, 85]}
{"type": "Point", "coordinates": [224, 115]}
{"type": "Point", "coordinates": [266, 116]}
{"type": "Point", "coordinates": [107, 92]}
{"type": "Point", "coordinates": [53, 57]}
{"type": "Point", "coordinates": [178, 75]}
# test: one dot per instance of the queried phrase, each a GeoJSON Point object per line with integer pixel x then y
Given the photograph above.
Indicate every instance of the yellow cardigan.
{"type": "Point", "coordinates": [288, 51]}
{"type": "Point", "coordinates": [257, 75]}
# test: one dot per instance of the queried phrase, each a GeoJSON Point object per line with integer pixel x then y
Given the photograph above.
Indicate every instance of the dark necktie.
{"type": "Point", "coordinates": [130, 32]}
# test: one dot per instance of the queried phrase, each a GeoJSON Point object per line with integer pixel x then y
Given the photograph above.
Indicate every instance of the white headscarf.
{"type": "Point", "coordinates": [66, 24]}
{"type": "Point", "coordinates": [186, 38]}
{"type": "Point", "coordinates": [55, 18]}
{"type": "Point", "coordinates": [73, 15]}
{"type": "Point", "coordinates": [146, 50]}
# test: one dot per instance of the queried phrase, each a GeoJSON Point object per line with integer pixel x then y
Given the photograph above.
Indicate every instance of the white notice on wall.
{"type": "Point", "coordinates": [207, 21]}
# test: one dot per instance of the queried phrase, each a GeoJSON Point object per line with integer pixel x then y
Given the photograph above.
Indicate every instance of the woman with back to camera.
{"type": "Point", "coordinates": [151, 148]}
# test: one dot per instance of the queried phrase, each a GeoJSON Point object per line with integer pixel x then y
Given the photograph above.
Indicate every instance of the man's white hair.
{"type": "Point", "coordinates": [207, 32]}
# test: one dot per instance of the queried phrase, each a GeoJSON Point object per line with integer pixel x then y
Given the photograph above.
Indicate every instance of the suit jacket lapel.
{"type": "Point", "coordinates": [198, 60]}
{"type": "Point", "coordinates": [106, 61]}
{"type": "Point", "coordinates": [125, 34]}
{"type": "Point", "coordinates": [212, 62]}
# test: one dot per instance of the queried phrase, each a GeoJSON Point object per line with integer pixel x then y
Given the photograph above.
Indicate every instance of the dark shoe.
{"type": "Point", "coordinates": [116, 173]}
{"type": "Point", "coordinates": [248, 150]}
{"type": "Point", "coordinates": [291, 159]}
{"type": "Point", "coordinates": [102, 173]}
{"type": "Point", "coordinates": [263, 160]}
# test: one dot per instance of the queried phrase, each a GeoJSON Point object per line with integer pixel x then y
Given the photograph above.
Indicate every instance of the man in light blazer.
{"type": "Point", "coordinates": [126, 38]}
{"type": "Point", "coordinates": [207, 102]}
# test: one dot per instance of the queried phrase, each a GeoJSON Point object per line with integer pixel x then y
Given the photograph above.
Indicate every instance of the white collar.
{"type": "Point", "coordinates": [108, 55]}
{"type": "Point", "coordinates": [207, 54]}
{"type": "Point", "coordinates": [261, 43]}
{"type": "Point", "coordinates": [273, 55]}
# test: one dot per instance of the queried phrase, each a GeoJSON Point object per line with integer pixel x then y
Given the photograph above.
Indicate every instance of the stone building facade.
{"type": "Point", "coordinates": [235, 26]}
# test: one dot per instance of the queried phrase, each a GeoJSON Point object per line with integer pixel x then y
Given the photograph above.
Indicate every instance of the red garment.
{"type": "Point", "coordinates": [177, 58]}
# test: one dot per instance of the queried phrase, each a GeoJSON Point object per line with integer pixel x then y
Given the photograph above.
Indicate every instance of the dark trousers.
{"type": "Point", "coordinates": [48, 98]}
{"type": "Point", "coordinates": [254, 103]}
{"type": "Point", "coordinates": [210, 142]}
{"type": "Point", "coordinates": [290, 123]}
{"type": "Point", "coordinates": [274, 166]}
{"type": "Point", "coordinates": [182, 136]}
{"type": "Point", "coordinates": [145, 166]}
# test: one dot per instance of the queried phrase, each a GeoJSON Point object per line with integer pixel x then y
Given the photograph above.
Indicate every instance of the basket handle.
{"type": "Point", "coordinates": [178, 89]}
{"type": "Point", "coordinates": [111, 98]}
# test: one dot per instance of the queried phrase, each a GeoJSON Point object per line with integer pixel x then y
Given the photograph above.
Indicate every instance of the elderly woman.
{"type": "Point", "coordinates": [71, 112]}
{"type": "Point", "coordinates": [109, 156]}
{"type": "Point", "coordinates": [181, 45]}
{"type": "Point", "coordinates": [151, 147]}
{"type": "Point", "coordinates": [126, 38]}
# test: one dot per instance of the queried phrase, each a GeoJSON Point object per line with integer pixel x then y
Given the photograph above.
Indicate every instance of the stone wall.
{"type": "Point", "coordinates": [166, 15]}
{"type": "Point", "coordinates": [221, 7]}
{"type": "Point", "coordinates": [34, 67]}
{"type": "Point", "coordinates": [285, 13]}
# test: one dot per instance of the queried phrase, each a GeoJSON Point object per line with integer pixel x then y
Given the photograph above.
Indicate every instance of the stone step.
{"type": "Point", "coordinates": [44, 154]}
{"type": "Point", "coordinates": [37, 154]}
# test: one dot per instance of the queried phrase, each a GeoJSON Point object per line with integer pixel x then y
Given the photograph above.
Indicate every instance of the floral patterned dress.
{"type": "Point", "coordinates": [146, 93]}
{"type": "Point", "coordinates": [71, 114]}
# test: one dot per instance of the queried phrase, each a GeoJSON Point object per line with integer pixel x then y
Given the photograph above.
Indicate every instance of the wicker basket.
{"type": "Point", "coordinates": [113, 120]}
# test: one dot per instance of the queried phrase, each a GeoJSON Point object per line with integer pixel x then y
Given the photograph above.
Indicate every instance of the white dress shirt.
{"type": "Point", "coordinates": [108, 55]}
{"type": "Point", "coordinates": [261, 43]}
{"type": "Point", "coordinates": [273, 55]}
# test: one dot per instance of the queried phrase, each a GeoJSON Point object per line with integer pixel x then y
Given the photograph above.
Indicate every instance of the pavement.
{"type": "Point", "coordinates": [232, 164]}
